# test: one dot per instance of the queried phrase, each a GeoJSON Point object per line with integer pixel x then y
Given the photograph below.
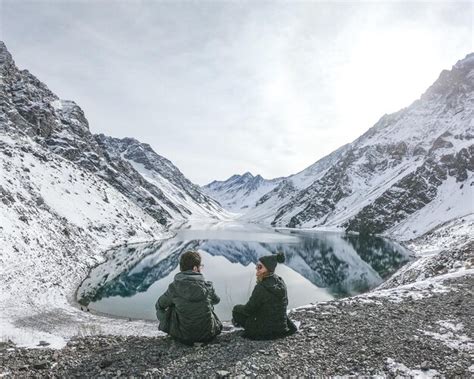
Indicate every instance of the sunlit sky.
{"type": "Point", "coordinates": [221, 88]}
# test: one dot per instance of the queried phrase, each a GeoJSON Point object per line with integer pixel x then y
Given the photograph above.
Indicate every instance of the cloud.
{"type": "Point", "coordinates": [226, 87]}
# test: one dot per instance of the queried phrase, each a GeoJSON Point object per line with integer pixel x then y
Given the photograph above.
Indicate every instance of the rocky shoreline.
{"type": "Point", "coordinates": [410, 331]}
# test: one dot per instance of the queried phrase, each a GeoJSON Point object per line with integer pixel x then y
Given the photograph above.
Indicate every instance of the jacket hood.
{"type": "Point", "coordinates": [190, 285]}
{"type": "Point", "coordinates": [275, 285]}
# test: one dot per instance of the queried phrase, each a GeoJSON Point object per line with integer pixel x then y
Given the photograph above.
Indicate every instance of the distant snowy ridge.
{"type": "Point", "coordinates": [30, 108]}
{"type": "Point", "coordinates": [240, 192]}
{"type": "Point", "coordinates": [413, 170]}
{"type": "Point", "coordinates": [255, 197]}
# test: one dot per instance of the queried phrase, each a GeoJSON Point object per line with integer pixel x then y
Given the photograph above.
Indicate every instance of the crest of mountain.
{"type": "Point", "coordinates": [407, 174]}
{"type": "Point", "coordinates": [134, 169]}
{"type": "Point", "coordinates": [240, 192]}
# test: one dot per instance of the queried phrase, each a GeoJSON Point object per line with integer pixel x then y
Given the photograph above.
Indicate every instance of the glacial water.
{"type": "Point", "coordinates": [319, 266]}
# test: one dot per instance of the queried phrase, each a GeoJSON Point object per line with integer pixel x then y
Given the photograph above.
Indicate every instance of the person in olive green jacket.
{"type": "Point", "coordinates": [185, 310]}
{"type": "Point", "coordinates": [264, 315]}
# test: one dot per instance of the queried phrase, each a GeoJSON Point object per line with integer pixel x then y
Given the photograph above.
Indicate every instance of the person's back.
{"type": "Point", "coordinates": [185, 310]}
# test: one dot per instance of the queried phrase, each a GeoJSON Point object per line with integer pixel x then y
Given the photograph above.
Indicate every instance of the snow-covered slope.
{"type": "Point", "coordinates": [410, 172]}
{"type": "Point", "coordinates": [240, 192]}
{"type": "Point", "coordinates": [415, 165]}
{"type": "Point", "coordinates": [30, 108]}
{"type": "Point", "coordinates": [55, 219]}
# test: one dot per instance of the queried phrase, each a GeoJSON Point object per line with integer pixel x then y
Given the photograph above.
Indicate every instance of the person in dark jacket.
{"type": "Point", "coordinates": [264, 315]}
{"type": "Point", "coordinates": [186, 309]}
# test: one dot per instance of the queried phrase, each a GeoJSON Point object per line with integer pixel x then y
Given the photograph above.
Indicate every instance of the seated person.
{"type": "Point", "coordinates": [186, 310]}
{"type": "Point", "coordinates": [264, 315]}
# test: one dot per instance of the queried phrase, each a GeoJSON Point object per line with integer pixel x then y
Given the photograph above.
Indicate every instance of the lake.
{"type": "Point", "coordinates": [319, 266]}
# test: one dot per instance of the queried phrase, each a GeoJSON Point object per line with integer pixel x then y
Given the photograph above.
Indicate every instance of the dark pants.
{"type": "Point", "coordinates": [239, 316]}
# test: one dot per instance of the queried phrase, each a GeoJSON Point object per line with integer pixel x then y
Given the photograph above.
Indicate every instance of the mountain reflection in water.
{"type": "Point", "coordinates": [319, 266]}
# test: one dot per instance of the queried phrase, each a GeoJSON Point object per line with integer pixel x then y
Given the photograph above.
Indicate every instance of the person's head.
{"type": "Point", "coordinates": [262, 271]}
{"type": "Point", "coordinates": [190, 260]}
{"type": "Point", "coordinates": [266, 265]}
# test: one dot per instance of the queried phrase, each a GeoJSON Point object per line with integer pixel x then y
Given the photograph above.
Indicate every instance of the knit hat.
{"type": "Point", "coordinates": [270, 261]}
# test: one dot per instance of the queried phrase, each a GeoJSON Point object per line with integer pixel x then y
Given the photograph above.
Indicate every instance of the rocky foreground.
{"type": "Point", "coordinates": [417, 330]}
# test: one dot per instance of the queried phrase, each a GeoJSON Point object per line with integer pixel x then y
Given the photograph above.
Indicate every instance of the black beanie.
{"type": "Point", "coordinates": [270, 261]}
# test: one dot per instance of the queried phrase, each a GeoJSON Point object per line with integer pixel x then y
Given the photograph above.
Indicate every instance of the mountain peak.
{"type": "Point", "coordinates": [5, 56]}
{"type": "Point", "coordinates": [458, 79]}
{"type": "Point", "coordinates": [467, 60]}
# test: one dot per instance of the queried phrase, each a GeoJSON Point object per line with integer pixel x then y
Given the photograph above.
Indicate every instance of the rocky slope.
{"type": "Point", "coordinates": [411, 171]}
{"type": "Point", "coordinates": [30, 108]}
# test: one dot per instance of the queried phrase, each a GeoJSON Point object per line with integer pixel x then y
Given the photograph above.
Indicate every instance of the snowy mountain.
{"type": "Point", "coordinates": [152, 182]}
{"type": "Point", "coordinates": [240, 192]}
{"type": "Point", "coordinates": [56, 219]}
{"type": "Point", "coordinates": [407, 174]}
{"type": "Point", "coordinates": [415, 166]}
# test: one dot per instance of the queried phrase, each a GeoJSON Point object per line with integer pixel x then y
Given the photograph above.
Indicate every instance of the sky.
{"type": "Point", "coordinates": [226, 87]}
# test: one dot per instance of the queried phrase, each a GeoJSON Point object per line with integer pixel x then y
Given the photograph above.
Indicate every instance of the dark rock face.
{"type": "Point", "coordinates": [28, 107]}
{"type": "Point", "coordinates": [412, 192]}
{"type": "Point", "coordinates": [319, 198]}
{"type": "Point", "coordinates": [282, 191]}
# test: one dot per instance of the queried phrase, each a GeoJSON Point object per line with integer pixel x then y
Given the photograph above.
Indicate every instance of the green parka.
{"type": "Point", "coordinates": [186, 311]}
{"type": "Point", "coordinates": [266, 310]}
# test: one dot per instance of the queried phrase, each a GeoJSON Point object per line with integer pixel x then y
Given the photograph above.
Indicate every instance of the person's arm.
{"type": "Point", "coordinates": [212, 294]}
{"type": "Point", "coordinates": [255, 301]}
{"type": "Point", "coordinates": [164, 302]}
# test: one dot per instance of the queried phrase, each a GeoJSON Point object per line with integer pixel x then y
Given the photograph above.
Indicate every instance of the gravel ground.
{"type": "Point", "coordinates": [430, 335]}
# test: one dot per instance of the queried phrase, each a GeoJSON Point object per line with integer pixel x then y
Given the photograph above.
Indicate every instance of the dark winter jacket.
{"type": "Point", "coordinates": [266, 310]}
{"type": "Point", "coordinates": [186, 311]}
